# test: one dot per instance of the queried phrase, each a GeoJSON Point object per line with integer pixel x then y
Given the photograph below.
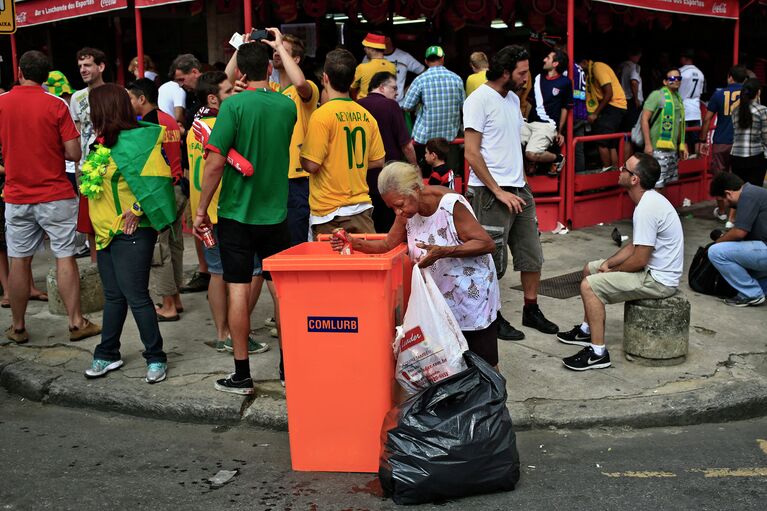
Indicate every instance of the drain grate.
{"type": "Point", "coordinates": [562, 287]}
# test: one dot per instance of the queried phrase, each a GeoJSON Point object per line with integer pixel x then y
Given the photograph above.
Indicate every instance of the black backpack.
{"type": "Point", "coordinates": [705, 278]}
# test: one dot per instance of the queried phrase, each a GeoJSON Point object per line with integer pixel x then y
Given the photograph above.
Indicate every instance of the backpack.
{"type": "Point", "coordinates": [704, 278]}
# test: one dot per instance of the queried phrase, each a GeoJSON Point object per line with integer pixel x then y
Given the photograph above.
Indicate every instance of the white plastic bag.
{"type": "Point", "coordinates": [429, 345]}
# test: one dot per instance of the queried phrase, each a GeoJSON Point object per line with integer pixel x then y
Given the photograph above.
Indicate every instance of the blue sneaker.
{"type": "Point", "coordinates": [156, 372]}
{"type": "Point", "coordinates": [100, 367]}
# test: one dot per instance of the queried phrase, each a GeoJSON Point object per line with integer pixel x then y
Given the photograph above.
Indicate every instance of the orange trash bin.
{"type": "Point", "coordinates": [338, 315]}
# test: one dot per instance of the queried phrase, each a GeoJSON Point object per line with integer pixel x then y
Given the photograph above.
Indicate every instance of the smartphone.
{"type": "Point", "coordinates": [260, 35]}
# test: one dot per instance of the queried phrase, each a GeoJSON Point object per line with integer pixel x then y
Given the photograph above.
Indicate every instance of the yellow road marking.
{"type": "Point", "coordinates": [762, 445]}
{"type": "Point", "coordinates": [732, 472]}
{"type": "Point", "coordinates": [640, 475]}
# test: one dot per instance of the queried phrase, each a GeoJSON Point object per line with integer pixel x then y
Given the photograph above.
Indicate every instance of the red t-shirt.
{"type": "Point", "coordinates": [33, 128]}
{"type": "Point", "coordinates": [171, 144]}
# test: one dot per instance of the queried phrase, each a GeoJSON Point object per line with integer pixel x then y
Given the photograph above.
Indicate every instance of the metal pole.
{"type": "Point", "coordinates": [569, 181]}
{"type": "Point", "coordinates": [139, 42]}
{"type": "Point", "coordinates": [736, 41]}
{"type": "Point", "coordinates": [247, 9]}
{"type": "Point", "coordinates": [14, 59]}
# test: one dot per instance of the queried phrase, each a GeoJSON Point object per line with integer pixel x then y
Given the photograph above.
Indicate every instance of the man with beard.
{"type": "Point", "coordinates": [501, 198]}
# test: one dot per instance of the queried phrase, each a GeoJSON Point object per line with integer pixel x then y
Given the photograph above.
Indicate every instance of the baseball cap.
{"type": "Point", "coordinates": [58, 84]}
{"type": "Point", "coordinates": [434, 51]}
{"type": "Point", "coordinates": [376, 41]}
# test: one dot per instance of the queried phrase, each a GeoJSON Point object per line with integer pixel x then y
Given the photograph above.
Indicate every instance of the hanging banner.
{"type": "Point", "coordinates": [713, 8]}
{"type": "Point", "coordinates": [36, 12]}
{"type": "Point", "coordinates": [143, 4]}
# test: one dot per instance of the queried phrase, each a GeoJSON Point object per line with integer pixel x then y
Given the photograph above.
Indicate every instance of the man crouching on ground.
{"type": "Point", "coordinates": [648, 267]}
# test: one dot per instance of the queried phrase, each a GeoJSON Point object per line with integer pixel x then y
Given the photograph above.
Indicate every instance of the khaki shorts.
{"type": "Point", "coordinates": [538, 136]}
{"type": "Point", "coordinates": [27, 224]}
{"type": "Point", "coordinates": [360, 223]}
{"type": "Point", "coordinates": [621, 286]}
{"type": "Point", "coordinates": [517, 230]}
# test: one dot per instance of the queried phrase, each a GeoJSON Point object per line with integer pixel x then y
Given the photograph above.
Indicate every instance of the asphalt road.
{"type": "Point", "coordinates": [59, 458]}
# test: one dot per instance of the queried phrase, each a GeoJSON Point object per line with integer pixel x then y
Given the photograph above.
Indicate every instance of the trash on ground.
{"type": "Point", "coordinates": [560, 229]}
{"type": "Point", "coordinates": [222, 477]}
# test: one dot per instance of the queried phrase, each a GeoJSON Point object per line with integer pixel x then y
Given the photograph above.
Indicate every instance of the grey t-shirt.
{"type": "Point", "coordinates": [752, 212]}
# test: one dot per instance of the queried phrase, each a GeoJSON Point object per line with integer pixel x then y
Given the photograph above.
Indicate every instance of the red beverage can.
{"type": "Point", "coordinates": [341, 234]}
{"type": "Point", "coordinates": [206, 233]}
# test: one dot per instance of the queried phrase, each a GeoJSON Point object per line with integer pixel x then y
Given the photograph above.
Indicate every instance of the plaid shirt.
{"type": "Point", "coordinates": [750, 141]}
{"type": "Point", "coordinates": [441, 95]}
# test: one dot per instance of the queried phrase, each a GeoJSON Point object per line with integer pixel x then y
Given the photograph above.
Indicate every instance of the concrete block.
{"type": "Point", "coordinates": [657, 332]}
{"type": "Point", "coordinates": [91, 292]}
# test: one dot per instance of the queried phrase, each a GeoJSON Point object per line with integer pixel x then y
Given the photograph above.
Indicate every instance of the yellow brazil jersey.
{"type": "Point", "coordinates": [304, 109]}
{"type": "Point", "coordinates": [367, 70]}
{"type": "Point", "coordinates": [342, 138]}
{"type": "Point", "coordinates": [106, 212]}
{"type": "Point", "coordinates": [474, 81]}
{"type": "Point", "coordinates": [599, 75]}
{"type": "Point", "coordinates": [196, 171]}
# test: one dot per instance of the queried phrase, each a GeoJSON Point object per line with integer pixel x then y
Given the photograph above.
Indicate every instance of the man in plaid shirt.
{"type": "Point", "coordinates": [440, 94]}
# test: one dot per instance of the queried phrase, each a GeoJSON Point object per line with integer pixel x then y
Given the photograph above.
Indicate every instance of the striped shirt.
{"type": "Point", "coordinates": [441, 95]}
{"type": "Point", "coordinates": [750, 141]}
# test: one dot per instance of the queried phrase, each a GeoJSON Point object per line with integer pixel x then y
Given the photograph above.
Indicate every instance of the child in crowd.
{"type": "Point", "coordinates": [435, 155]}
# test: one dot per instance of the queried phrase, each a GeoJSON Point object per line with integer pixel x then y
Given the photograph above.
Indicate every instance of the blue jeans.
{"type": "Point", "coordinates": [124, 268]}
{"type": "Point", "coordinates": [298, 210]}
{"type": "Point", "coordinates": [743, 264]}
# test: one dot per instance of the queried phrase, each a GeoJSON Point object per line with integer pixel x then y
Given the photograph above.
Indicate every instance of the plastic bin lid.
{"type": "Point", "coordinates": [319, 256]}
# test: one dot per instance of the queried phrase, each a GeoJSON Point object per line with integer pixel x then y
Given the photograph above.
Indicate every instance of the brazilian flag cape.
{"type": "Point", "coordinates": [139, 158]}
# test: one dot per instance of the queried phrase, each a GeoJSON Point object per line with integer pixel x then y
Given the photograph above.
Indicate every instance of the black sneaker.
{"type": "Point", "coordinates": [534, 318]}
{"type": "Point", "coordinates": [508, 332]}
{"type": "Point", "coordinates": [575, 336]}
{"type": "Point", "coordinates": [586, 359]}
{"type": "Point", "coordinates": [199, 282]}
{"type": "Point", "coordinates": [242, 387]}
{"type": "Point", "coordinates": [743, 301]}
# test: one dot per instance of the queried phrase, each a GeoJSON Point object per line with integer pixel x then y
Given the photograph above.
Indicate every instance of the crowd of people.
{"type": "Point", "coordinates": [265, 159]}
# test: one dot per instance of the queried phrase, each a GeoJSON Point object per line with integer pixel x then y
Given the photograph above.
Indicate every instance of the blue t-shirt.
{"type": "Point", "coordinates": [557, 93]}
{"type": "Point", "coordinates": [722, 103]}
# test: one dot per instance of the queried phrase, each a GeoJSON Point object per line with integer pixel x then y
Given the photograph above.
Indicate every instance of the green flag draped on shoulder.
{"type": "Point", "coordinates": [138, 155]}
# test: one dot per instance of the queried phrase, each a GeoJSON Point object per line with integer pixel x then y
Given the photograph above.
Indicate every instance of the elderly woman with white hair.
{"type": "Point", "coordinates": [443, 235]}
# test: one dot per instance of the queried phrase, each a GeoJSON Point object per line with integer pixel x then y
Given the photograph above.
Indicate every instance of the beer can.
{"type": "Point", "coordinates": [341, 234]}
{"type": "Point", "coordinates": [206, 233]}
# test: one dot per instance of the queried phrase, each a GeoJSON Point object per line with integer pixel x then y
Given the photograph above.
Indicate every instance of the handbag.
{"type": "Point", "coordinates": [704, 278]}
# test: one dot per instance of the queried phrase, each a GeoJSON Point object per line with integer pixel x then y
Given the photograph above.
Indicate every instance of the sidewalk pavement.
{"type": "Point", "coordinates": [724, 377]}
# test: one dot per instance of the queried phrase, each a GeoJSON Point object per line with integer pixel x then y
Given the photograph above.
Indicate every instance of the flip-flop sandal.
{"type": "Point", "coordinates": [162, 318]}
{"type": "Point", "coordinates": [5, 304]}
{"type": "Point", "coordinates": [178, 309]}
{"type": "Point", "coordinates": [42, 297]}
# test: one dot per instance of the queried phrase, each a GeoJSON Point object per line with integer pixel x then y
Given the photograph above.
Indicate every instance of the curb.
{"type": "Point", "coordinates": [717, 402]}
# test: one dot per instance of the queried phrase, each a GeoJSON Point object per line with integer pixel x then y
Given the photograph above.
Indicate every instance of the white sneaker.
{"type": "Point", "coordinates": [100, 367]}
{"type": "Point", "coordinates": [729, 225]}
{"type": "Point", "coordinates": [719, 216]}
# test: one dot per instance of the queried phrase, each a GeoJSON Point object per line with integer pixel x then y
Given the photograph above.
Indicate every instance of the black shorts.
{"type": "Point", "coordinates": [484, 342]}
{"type": "Point", "coordinates": [608, 122]}
{"type": "Point", "coordinates": [239, 242]}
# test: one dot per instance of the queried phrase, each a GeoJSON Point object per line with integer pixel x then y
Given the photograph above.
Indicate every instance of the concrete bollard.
{"type": "Point", "coordinates": [91, 292]}
{"type": "Point", "coordinates": [657, 332]}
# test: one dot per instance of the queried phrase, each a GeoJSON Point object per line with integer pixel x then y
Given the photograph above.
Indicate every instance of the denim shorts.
{"type": "Point", "coordinates": [213, 258]}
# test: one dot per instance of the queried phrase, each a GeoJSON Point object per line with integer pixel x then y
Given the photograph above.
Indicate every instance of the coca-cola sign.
{"type": "Point", "coordinates": [714, 8]}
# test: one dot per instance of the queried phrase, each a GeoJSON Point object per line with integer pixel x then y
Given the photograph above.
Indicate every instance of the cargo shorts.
{"type": "Point", "coordinates": [621, 286]}
{"type": "Point", "coordinates": [27, 224]}
{"type": "Point", "coordinates": [518, 231]}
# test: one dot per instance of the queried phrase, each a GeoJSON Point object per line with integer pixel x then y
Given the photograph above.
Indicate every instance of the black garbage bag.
{"type": "Point", "coordinates": [453, 439]}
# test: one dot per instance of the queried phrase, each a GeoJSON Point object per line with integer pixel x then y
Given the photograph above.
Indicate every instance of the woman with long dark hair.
{"type": "Point", "coordinates": [749, 122]}
{"type": "Point", "coordinates": [130, 196]}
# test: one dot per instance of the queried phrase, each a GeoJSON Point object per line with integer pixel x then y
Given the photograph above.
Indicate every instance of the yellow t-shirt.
{"type": "Point", "coordinates": [365, 72]}
{"type": "Point", "coordinates": [106, 212]}
{"type": "Point", "coordinates": [474, 81]}
{"type": "Point", "coordinates": [342, 138]}
{"type": "Point", "coordinates": [304, 109]}
{"type": "Point", "coordinates": [197, 171]}
{"type": "Point", "coordinates": [599, 75]}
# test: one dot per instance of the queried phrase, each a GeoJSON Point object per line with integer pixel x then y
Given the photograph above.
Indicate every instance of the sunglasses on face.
{"type": "Point", "coordinates": [674, 78]}
{"type": "Point", "coordinates": [625, 168]}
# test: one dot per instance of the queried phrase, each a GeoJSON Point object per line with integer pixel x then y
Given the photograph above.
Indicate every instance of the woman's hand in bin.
{"type": "Point", "coordinates": [201, 221]}
{"type": "Point", "coordinates": [433, 253]}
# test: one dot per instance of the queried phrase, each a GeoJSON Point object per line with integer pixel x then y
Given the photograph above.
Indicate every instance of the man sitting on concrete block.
{"type": "Point", "coordinates": [740, 255]}
{"type": "Point", "coordinates": [648, 267]}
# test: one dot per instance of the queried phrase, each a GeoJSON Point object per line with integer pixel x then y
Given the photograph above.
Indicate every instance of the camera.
{"type": "Point", "coordinates": [261, 34]}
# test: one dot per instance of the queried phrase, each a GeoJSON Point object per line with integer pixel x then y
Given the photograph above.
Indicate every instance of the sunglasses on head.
{"type": "Point", "coordinates": [674, 78]}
